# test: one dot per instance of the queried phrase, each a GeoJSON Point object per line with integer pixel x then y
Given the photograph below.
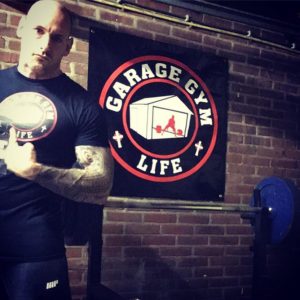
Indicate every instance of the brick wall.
{"type": "Point", "coordinates": [187, 254]}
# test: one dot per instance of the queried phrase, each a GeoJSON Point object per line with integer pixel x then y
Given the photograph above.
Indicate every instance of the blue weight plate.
{"type": "Point", "coordinates": [278, 195]}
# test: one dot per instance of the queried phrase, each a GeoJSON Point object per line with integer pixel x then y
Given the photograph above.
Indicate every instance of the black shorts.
{"type": "Point", "coordinates": [43, 280]}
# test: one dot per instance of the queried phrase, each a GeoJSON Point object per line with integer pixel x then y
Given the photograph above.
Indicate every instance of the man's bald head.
{"type": "Point", "coordinates": [45, 39]}
{"type": "Point", "coordinates": [50, 6]}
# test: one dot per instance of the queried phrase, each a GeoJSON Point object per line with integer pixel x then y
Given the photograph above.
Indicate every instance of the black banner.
{"type": "Point", "coordinates": [166, 109]}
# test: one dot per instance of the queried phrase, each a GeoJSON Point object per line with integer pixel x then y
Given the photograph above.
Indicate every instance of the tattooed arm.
{"type": "Point", "coordinates": [91, 183]}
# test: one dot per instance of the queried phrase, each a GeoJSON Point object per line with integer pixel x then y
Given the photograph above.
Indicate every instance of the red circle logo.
{"type": "Point", "coordinates": [32, 114]}
{"type": "Point", "coordinates": [162, 118]}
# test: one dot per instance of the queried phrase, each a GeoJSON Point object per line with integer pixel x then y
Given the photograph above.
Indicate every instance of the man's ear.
{"type": "Point", "coordinates": [21, 26]}
{"type": "Point", "coordinates": [69, 46]}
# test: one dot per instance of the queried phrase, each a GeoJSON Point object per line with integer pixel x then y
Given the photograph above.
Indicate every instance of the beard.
{"type": "Point", "coordinates": [37, 67]}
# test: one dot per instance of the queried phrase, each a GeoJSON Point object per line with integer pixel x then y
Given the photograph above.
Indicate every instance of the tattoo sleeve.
{"type": "Point", "coordinates": [90, 183]}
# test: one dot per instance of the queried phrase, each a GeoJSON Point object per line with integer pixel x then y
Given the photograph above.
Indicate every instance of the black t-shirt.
{"type": "Point", "coordinates": [55, 115]}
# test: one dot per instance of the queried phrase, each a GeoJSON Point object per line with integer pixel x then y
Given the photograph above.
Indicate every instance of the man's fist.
{"type": "Point", "coordinates": [21, 160]}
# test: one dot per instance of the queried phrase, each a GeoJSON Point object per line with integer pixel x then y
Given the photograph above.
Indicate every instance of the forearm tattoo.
{"type": "Point", "coordinates": [90, 183]}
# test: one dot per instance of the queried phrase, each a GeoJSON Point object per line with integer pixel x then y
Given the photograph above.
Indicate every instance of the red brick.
{"type": "Point", "coordinates": [238, 250]}
{"type": "Point", "coordinates": [109, 252]}
{"type": "Point", "coordinates": [234, 158]}
{"type": "Point", "coordinates": [239, 230]}
{"type": "Point", "coordinates": [175, 251]}
{"type": "Point", "coordinates": [14, 20]}
{"type": "Point", "coordinates": [81, 46]}
{"type": "Point", "coordinates": [176, 229]}
{"type": "Point", "coordinates": [187, 33]}
{"type": "Point", "coordinates": [245, 149]}
{"type": "Point", "coordinates": [246, 240]}
{"type": "Point", "coordinates": [284, 163]}
{"type": "Point", "coordinates": [232, 56]}
{"type": "Point", "coordinates": [159, 218]}
{"type": "Point", "coordinates": [271, 132]}
{"type": "Point", "coordinates": [258, 161]}
{"type": "Point", "coordinates": [2, 42]}
{"type": "Point", "coordinates": [158, 240]}
{"type": "Point", "coordinates": [76, 276]}
{"type": "Point", "coordinates": [225, 218]}
{"type": "Point", "coordinates": [210, 40]}
{"type": "Point", "coordinates": [261, 62]}
{"type": "Point", "coordinates": [238, 78]}
{"type": "Point", "coordinates": [140, 252]}
{"type": "Point", "coordinates": [274, 75]}
{"type": "Point", "coordinates": [238, 270]}
{"type": "Point", "coordinates": [9, 57]}
{"type": "Point", "coordinates": [223, 282]}
{"type": "Point", "coordinates": [192, 261]}
{"type": "Point", "coordinates": [112, 275]}
{"type": "Point", "coordinates": [192, 240]}
{"type": "Point", "coordinates": [224, 261]}
{"type": "Point", "coordinates": [82, 10]}
{"type": "Point", "coordinates": [242, 128]}
{"type": "Point", "coordinates": [81, 69]}
{"type": "Point", "coordinates": [271, 94]}
{"type": "Point", "coordinates": [113, 228]}
{"type": "Point", "coordinates": [235, 138]}
{"type": "Point", "coordinates": [77, 57]}
{"type": "Point", "coordinates": [259, 141]}
{"type": "Point", "coordinates": [8, 31]}
{"type": "Point", "coordinates": [193, 218]}
{"type": "Point", "coordinates": [208, 272]}
{"type": "Point", "coordinates": [209, 251]}
{"type": "Point", "coordinates": [258, 120]}
{"type": "Point", "coordinates": [144, 24]}
{"type": "Point", "coordinates": [246, 69]}
{"type": "Point", "coordinates": [258, 101]}
{"type": "Point", "coordinates": [224, 240]}
{"type": "Point", "coordinates": [142, 229]}
{"type": "Point", "coordinates": [122, 241]}
{"type": "Point", "coordinates": [74, 252]}
{"type": "Point", "coordinates": [224, 44]}
{"type": "Point", "coordinates": [115, 17]}
{"type": "Point", "coordinates": [247, 109]}
{"type": "Point", "coordinates": [239, 188]}
{"type": "Point", "coordinates": [3, 17]}
{"type": "Point", "coordinates": [14, 45]}
{"type": "Point", "coordinates": [210, 230]}
{"type": "Point", "coordinates": [78, 290]}
{"type": "Point", "coordinates": [260, 82]}
{"type": "Point", "coordinates": [247, 49]}
{"type": "Point", "coordinates": [117, 216]}
{"type": "Point", "coordinates": [77, 263]}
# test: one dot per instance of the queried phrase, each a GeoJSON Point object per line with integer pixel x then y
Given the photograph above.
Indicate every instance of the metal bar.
{"type": "Point", "coordinates": [236, 14]}
{"type": "Point", "coordinates": [94, 250]}
{"type": "Point", "coordinates": [155, 203]}
{"type": "Point", "coordinates": [186, 22]}
{"type": "Point", "coordinates": [261, 231]}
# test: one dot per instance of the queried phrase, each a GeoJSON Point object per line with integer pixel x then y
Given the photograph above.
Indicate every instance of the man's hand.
{"type": "Point", "coordinates": [91, 183]}
{"type": "Point", "coordinates": [21, 160]}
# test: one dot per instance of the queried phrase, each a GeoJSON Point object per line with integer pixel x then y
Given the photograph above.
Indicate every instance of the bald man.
{"type": "Point", "coordinates": [54, 127]}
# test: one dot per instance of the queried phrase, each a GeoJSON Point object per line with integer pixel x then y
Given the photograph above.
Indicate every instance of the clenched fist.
{"type": "Point", "coordinates": [21, 160]}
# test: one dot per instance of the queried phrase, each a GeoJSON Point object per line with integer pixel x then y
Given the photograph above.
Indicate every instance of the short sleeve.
{"type": "Point", "coordinates": [92, 129]}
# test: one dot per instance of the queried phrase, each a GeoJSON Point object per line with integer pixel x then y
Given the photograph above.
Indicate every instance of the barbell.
{"type": "Point", "coordinates": [276, 197]}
